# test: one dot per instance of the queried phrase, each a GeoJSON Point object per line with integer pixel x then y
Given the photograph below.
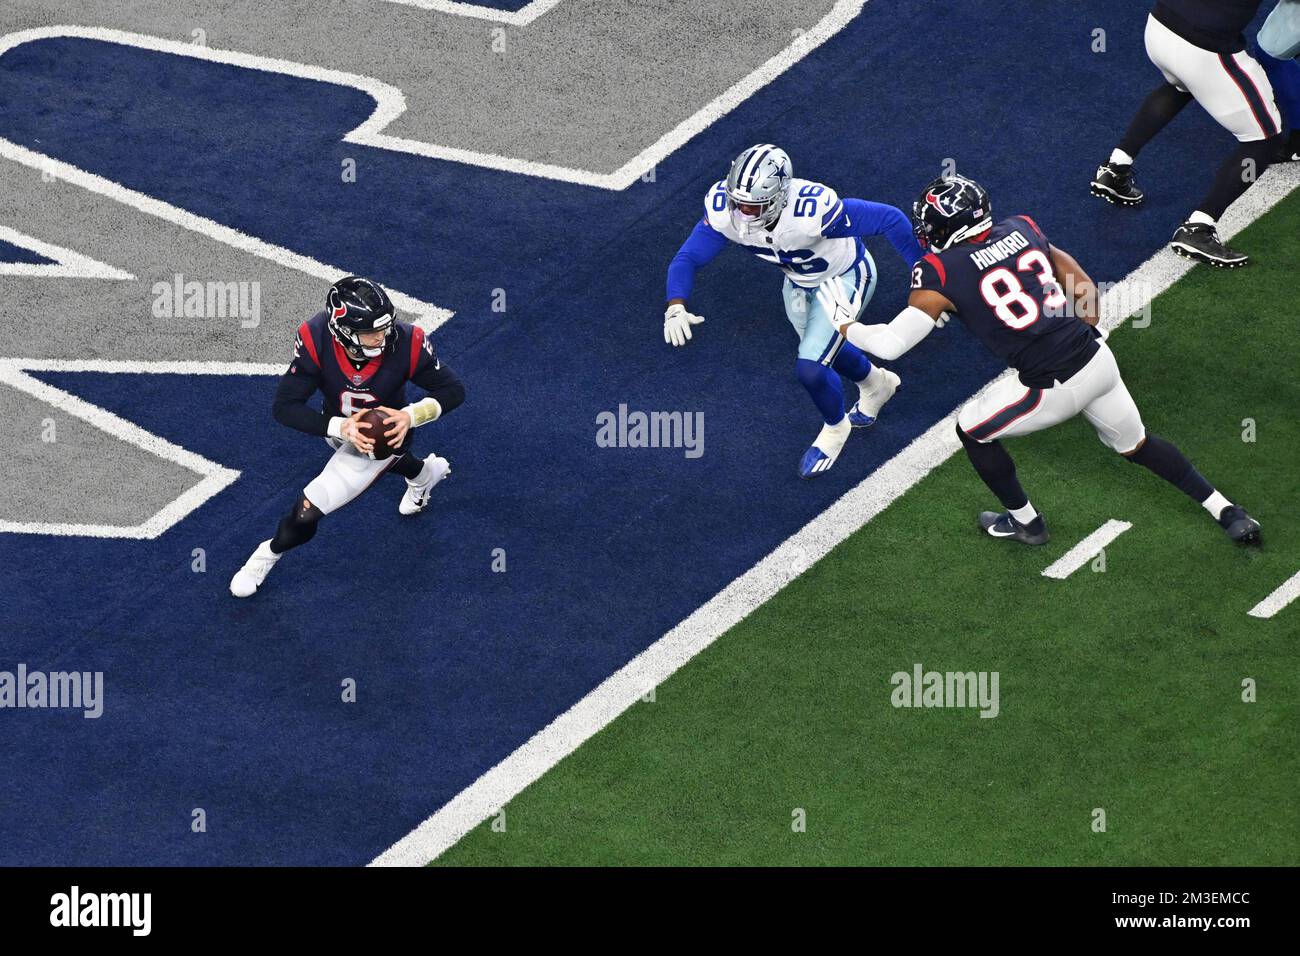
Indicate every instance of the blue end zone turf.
{"type": "Point", "coordinates": [17, 254]}
{"type": "Point", "coordinates": [234, 706]}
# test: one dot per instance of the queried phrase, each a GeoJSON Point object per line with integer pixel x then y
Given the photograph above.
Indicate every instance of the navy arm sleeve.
{"type": "Point", "coordinates": [291, 408]}
{"type": "Point", "coordinates": [700, 248]}
{"type": "Point", "coordinates": [442, 384]}
{"type": "Point", "coordinates": [862, 218]}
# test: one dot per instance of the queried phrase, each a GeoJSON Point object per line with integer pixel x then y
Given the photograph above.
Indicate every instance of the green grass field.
{"type": "Point", "coordinates": [1119, 690]}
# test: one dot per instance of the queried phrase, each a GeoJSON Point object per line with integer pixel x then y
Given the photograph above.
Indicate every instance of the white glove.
{"type": "Point", "coordinates": [942, 320]}
{"type": "Point", "coordinates": [677, 324]}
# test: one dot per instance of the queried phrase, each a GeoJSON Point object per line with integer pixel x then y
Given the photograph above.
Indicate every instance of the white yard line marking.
{"type": "Point", "coordinates": [502, 783]}
{"type": "Point", "coordinates": [1085, 550]}
{"type": "Point", "coordinates": [66, 265]}
{"type": "Point", "coordinates": [213, 477]}
{"type": "Point", "coordinates": [514, 18]}
{"type": "Point", "coordinates": [390, 102]}
{"type": "Point", "coordinates": [1286, 592]}
{"type": "Point", "coordinates": [426, 315]}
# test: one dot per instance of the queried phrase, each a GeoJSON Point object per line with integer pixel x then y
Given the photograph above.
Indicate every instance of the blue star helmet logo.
{"type": "Point", "coordinates": [781, 174]}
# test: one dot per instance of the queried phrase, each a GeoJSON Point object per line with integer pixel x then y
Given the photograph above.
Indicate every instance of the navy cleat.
{"type": "Point", "coordinates": [1239, 525]}
{"type": "Point", "coordinates": [1003, 525]}
{"type": "Point", "coordinates": [1114, 183]}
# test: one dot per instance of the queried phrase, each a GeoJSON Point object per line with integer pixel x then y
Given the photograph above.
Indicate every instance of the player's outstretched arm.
{"type": "Point", "coordinates": [925, 310]}
{"type": "Point", "coordinates": [700, 248]}
{"type": "Point", "coordinates": [1078, 283]}
{"type": "Point", "coordinates": [863, 218]}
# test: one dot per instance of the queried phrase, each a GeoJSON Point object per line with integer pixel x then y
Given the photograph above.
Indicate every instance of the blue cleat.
{"type": "Point", "coordinates": [820, 458]}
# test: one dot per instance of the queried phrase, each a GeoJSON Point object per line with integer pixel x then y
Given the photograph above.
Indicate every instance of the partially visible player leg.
{"type": "Point", "coordinates": [1119, 425]}
{"type": "Point", "coordinates": [1234, 90]}
{"type": "Point", "coordinates": [876, 385]}
{"type": "Point", "coordinates": [819, 344]}
{"type": "Point", "coordinates": [346, 475]}
{"type": "Point", "coordinates": [1010, 408]}
{"type": "Point", "coordinates": [1279, 47]}
{"type": "Point", "coordinates": [1114, 180]}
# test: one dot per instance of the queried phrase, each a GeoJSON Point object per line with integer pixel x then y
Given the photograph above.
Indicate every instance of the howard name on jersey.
{"type": "Point", "coordinates": [319, 362]}
{"type": "Point", "coordinates": [1006, 293]}
{"type": "Point", "coordinates": [797, 242]}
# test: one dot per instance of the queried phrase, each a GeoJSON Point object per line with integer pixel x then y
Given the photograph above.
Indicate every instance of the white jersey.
{"type": "Point", "coordinates": [795, 243]}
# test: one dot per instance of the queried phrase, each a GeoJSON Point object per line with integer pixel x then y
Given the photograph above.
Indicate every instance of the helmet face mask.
{"type": "Point", "coordinates": [760, 181]}
{"type": "Point", "coordinates": [358, 306]}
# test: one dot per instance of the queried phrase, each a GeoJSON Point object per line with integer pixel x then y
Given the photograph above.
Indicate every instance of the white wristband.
{"type": "Point", "coordinates": [335, 428]}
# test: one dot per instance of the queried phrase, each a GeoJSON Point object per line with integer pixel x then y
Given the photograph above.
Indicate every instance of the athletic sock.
{"type": "Point", "coordinates": [1164, 459]}
{"type": "Point", "coordinates": [408, 466]}
{"type": "Point", "coordinates": [1026, 514]}
{"type": "Point", "coordinates": [1215, 504]}
{"type": "Point", "coordinates": [1164, 103]}
{"type": "Point", "coordinates": [1120, 158]}
{"type": "Point", "coordinates": [1202, 218]}
{"type": "Point", "coordinates": [995, 467]}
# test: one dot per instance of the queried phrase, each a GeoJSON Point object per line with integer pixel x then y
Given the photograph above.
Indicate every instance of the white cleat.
{"type": "Point", "coordinates": [866, 409]}
{"type": "Point", "coordinates": [250, 577]}
{"type": "Point", "coordinates": [416, 498]}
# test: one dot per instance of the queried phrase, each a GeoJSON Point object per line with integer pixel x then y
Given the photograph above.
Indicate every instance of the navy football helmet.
{"type": "Point", "coordinates": [357, 305]}
{"type": "Point", "coordinates": [950, 210]}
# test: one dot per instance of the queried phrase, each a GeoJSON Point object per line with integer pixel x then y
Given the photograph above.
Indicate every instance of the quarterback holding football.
{"type": "Point", "coordinates": [360, 358]}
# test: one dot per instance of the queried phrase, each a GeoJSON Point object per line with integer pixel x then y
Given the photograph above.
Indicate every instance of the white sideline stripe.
{"type": "Point", "coordinates": [428, 316]}
{"type": "Point", "coordinates": [499, 785]}
{"type": "Point", "coordinates": [214, 477]}
{"type": "Point", "coordinates": [1287, 592]}
{"type": "Point", "coordinates": [1085, 550]}
{"type": "Point", "coordinates": [515, 18]}
{"type": "Point", "coordinates": [390, 102]}
{"type": "Point", "coordinates": [66, 265]}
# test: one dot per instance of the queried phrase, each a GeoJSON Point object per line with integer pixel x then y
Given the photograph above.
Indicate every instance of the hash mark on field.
{"type": "Point", "coordinates": [1286, 592]}
{"type": "Point", "coordinates": [1085, 550]}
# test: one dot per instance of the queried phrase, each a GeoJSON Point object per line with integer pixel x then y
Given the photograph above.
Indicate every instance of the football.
{"type": "Point", "coordinates": [375, 419]}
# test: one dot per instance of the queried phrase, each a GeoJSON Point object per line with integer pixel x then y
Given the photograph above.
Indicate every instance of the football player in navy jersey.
{"type": "Point", "coordinates": [1199, 48]}
{"type": "Point", "coordinates": [1000, 279]}
{"type": "Point", "coordinates": [359, 357]}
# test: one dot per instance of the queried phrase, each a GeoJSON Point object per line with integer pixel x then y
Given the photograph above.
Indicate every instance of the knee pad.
{"type": "Point", "coordinates": [297, 527]}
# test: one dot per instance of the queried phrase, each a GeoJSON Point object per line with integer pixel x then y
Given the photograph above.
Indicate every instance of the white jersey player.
{"type": "Point", "coordinates": [815, 238]}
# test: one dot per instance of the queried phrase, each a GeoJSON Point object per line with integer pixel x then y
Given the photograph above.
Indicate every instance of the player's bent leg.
{"type": "Point", "coordinates": [1115, 416]}
{"type": "Point", "coordinates": [1114, 181]}
{"type": "Point", "coordinates": [823, 385]}
{"type": "Point", "coordinates": [996, 468]}
{"type": "Point", "coordinates": [296, 528]}
{"type": "Point", "coordinates": [1163, 458]}
{"type": "Point", "coordinates": [876, 385]}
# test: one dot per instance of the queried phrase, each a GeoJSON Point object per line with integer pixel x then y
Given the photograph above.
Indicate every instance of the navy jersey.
{"type": "Point", "coordinates": [1006, 293]}
{"type": "Point", "coordinates": [1215, 25]}
{"type": "Point", "coordinates": [348, 388]}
